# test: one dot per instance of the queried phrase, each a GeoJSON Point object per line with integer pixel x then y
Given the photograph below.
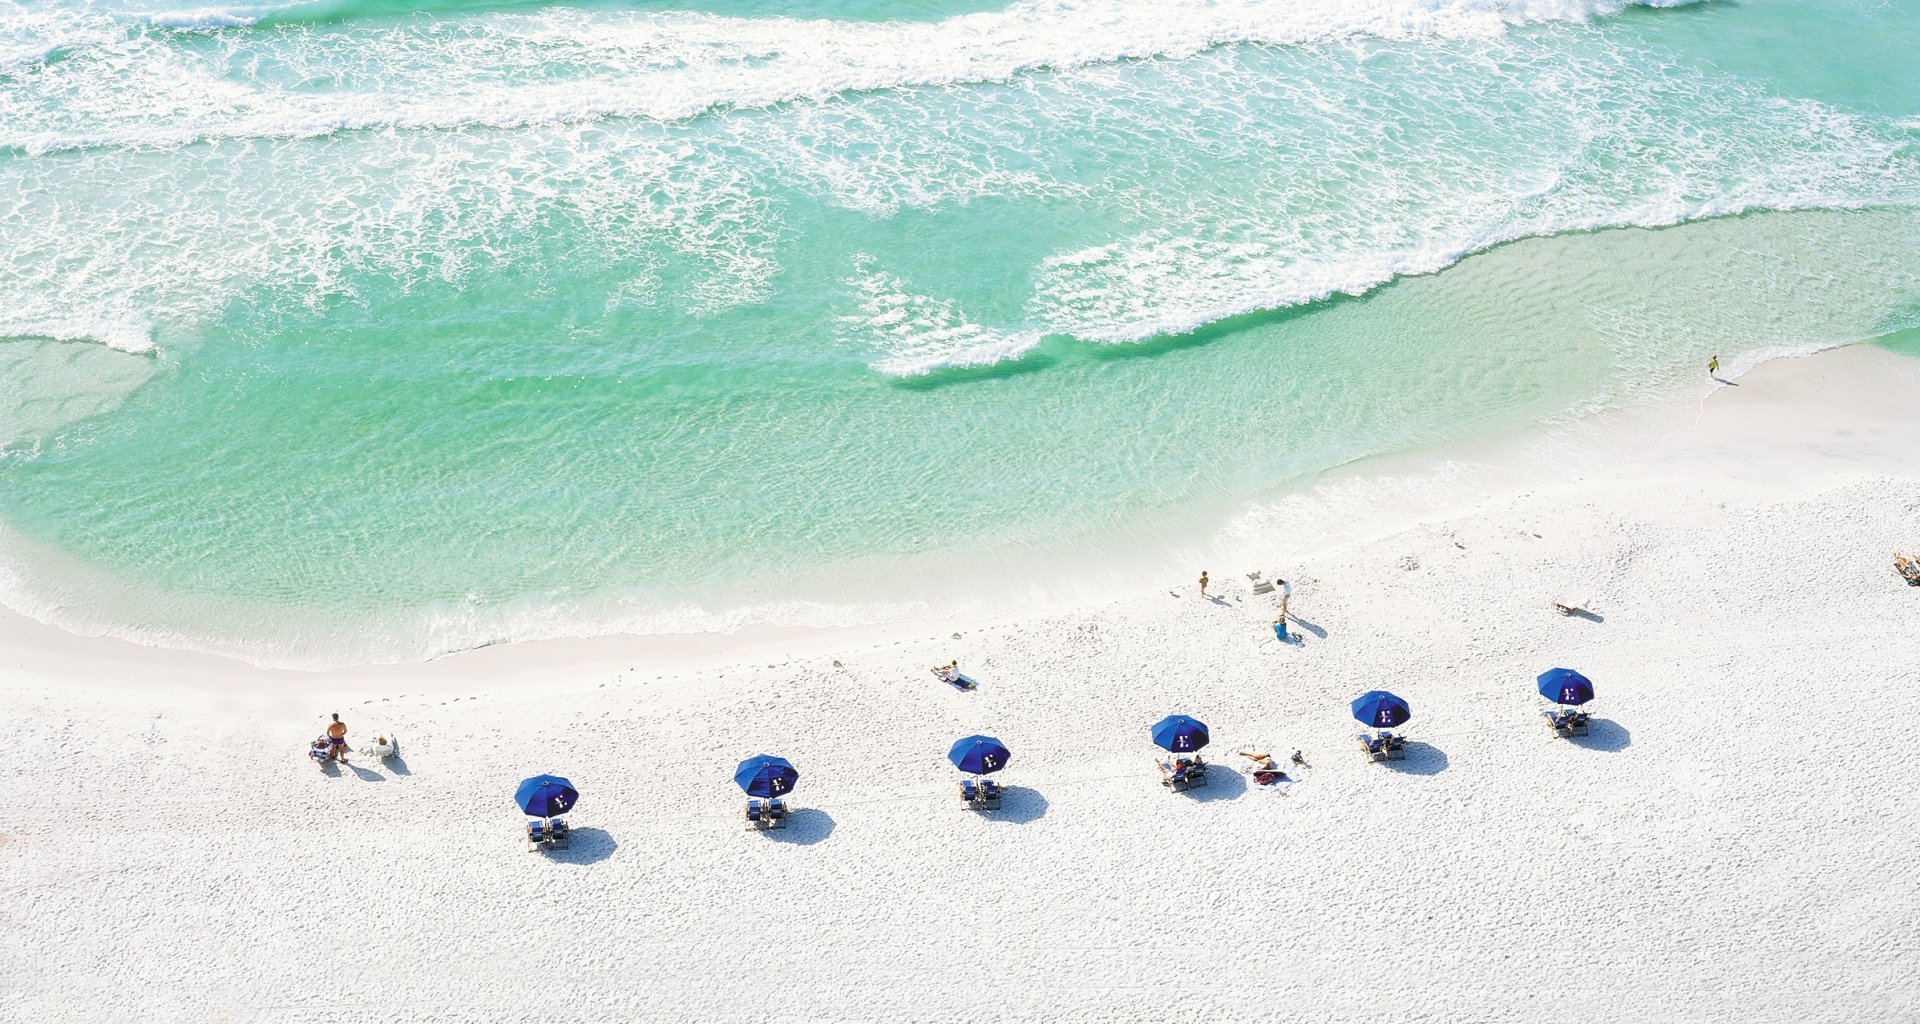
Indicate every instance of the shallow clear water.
{"type": "Point", "coordinates": [339, 332]}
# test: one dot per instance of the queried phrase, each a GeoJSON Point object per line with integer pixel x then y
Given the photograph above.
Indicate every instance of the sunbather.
{"type": "Point", "coordinates": [1266, 771]}
{"type": "Point", "coordinates": [382, 747]}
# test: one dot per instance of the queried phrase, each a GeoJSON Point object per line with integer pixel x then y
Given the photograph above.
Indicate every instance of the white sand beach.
{"type": "Point", "coordinates": [1733, 841]}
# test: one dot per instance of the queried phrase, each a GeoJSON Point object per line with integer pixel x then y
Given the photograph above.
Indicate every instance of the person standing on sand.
{"type": "Point", "coordinates": [1713, 365]}
{"type": "Point", "coordinates": [1203, 583]}
{"type": "Point", "coordinates": [337, 738]}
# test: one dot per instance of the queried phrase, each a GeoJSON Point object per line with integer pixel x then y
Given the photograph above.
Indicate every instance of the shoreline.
{"type": "Point", "coordinates": [1434, 483]}
{"type": "Point", "coordinates": [1745, 618]}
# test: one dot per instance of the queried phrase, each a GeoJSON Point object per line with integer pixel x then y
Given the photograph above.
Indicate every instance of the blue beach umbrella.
{"type": "Point", "coordinates": [1565, 686]}
{"type": "Point", "coordinates": [544, 796]}
{"type": "Point", "coordinates": [1179, 734]}
{"type": "Point", "coordinates": [1381, 709]}
{"type": "Point", "coordinates": [979, 755]}
{"type": "Point", "coordinates": [766, 775]}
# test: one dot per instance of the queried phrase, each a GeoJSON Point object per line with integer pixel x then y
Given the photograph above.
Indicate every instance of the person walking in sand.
{"type": "Point", "coordinates": [337, 738]}
{"type": "Point", "coordinates": [1713, 366]}
{"type": "Point", "coordinates": [1203, 583]}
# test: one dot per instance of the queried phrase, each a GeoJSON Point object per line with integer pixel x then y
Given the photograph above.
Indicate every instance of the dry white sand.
{"type": "Point", "coordinates": [1734, 841]}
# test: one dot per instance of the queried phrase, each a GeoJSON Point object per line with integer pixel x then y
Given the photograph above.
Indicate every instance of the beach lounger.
{"type": "Point", "coordinates": [1373, 748]}
{"type": "Point", "coordinates": [1183, 775]}
{"type": "Point", "coordinates": [766, 814]}
{"type": "Point", "coordinates": [980, 795]}
{"type": "Point", "coordinates": [541, 836]}
{"type": "Point", "coordinates": [559, 835]}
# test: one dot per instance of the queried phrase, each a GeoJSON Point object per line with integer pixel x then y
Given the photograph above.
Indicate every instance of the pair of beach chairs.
{"type": "Point", "coordinates": [1567, 724]}
{"type": "Point", "coordinates": [1384, 747]}
{"type": "Point", "coordinates": [766, 814]}
{"type": "Point", "coordinates": [1183, 773]}
{"type": "Point", "coordinates": [548, 834]}
{"type": "Point", "coordinates": [980, 794]}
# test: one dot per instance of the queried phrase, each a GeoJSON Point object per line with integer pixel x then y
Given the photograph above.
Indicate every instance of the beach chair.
{"type": "Point", "coordinates": [537, 835]}
{"type": "Point", "coordinates": [766, 814]}
{"type": "Point", "coordinates": [980, 795]}
{"type": "Point", "coordinates": [559, 834]}
{"type": "Point", "coordinates": [1183, 774]}
{"type": "Point", "coordinates": [1557, 722]}
{"type": "Point", "coordinates": [1373, 747]}
{"type": "Point", "coordinates": [1577, 722]}
{"type": "Point", "coordinates": [1396, 746]}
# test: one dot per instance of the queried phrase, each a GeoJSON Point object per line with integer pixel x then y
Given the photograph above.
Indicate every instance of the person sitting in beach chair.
{"type": "Point", "coordinates": [1908, 568]}
{"type": "Point", "coordinates": [980, 794]}
{"type": "Point", "coordinates": [1183, 773]}
{"type": "Point", "coordinates": [319, 751]}
{"type": "Point", "coordinates": [382, 748]}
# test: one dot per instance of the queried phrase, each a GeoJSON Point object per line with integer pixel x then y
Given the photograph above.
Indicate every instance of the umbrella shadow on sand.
{"type": "Point", "coordinates": [1222, 784]}
{"type": "Point", "coordinates": [1603, 734]}
{"type": "Point", "coordinates": [588, 846]}
{"type": "Point", "coordinates": [1019, 805]}
{"type": "Point", "coordinates": [1421, 759]}
{"type": "Point", "coordinates": [805, 827]}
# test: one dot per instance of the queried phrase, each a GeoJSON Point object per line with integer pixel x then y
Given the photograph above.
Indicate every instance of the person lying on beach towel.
{"type": "Point", "coordinates": [1266, 771]}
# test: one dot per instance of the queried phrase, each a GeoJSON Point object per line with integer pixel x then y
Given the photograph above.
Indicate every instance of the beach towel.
{"type": "Point", "coordinates": [961, 681]}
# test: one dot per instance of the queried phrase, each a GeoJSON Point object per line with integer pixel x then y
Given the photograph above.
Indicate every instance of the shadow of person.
{"type": "Point", "coordinates": [1722, 380]}
{"type": "Point", "coordinates": [588, 846]}
{"type": "Point", "coordinates": [363, 774]}
{"type": "Point", "coordinates": [1421, 759]}
{"type": "Point", "coordinates": [330, 768]}
{"type": "Point", "coordinates": [1223, 783]}
{"type": "Point", "coordinates": [398, 765]}
{"type": "Point", "coordinates": [1019, 805]}
{"type": "Point", "coordinates": [1308, 626]}
{"type": "Point", "coordinates": [1603, 734]}
{"type": "Point", "coordinates": [805, 827]}
{"type": "Point", "coordinates": [1582, 613]}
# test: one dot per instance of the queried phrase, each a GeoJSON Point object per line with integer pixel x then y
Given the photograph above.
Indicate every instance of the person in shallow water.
{"type": "Point", "coordinates": [1713, 365]}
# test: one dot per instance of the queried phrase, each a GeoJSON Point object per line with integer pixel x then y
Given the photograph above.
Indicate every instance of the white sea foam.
{"type": "Point", "coordinates": [919, 334]}
{"type": "Point", "coordinates": [495, 70]}
{"type": "Point", "coordinates": [202, 19]}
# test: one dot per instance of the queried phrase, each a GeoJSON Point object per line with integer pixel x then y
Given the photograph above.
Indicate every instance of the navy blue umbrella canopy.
{"type": "Point", "coordinates": [544, 796]}
{"type": "Point", "coordinates": [1565, 686]}
{"type": "Point", "coordinates": [1381, 710]}
{"type": "Point", "coordinates": [1179, 734]}
{"type": "Point", "coordinates": [766, 775]}
{"type": "Point", "coordinates": [979, 755]}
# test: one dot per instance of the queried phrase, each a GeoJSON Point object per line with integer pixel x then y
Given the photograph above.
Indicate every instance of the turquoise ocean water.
{"type": "Point", "coordinates": [360, 330]}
